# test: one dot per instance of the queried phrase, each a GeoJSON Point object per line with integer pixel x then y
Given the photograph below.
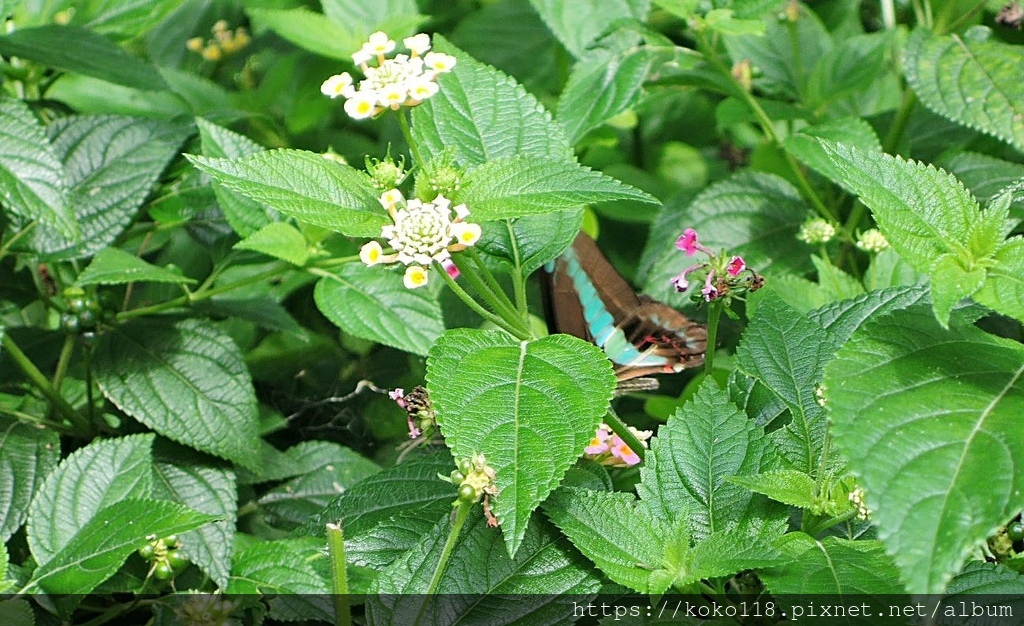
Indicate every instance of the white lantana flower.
{"type": "Point", "coordinates": [405, 80]}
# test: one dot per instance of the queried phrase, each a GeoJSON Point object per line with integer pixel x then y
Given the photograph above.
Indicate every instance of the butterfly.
{"type": "Point", "coordinates": [588, 299]}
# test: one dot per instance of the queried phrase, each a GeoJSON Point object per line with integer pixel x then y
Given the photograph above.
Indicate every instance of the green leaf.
{"type": "Point", "coordinates": [985, 176]}
{"type": "Point", "coordinates": [980, 577]}
{"type": "Point", "coordinates": [722, 21]}
{"type": "Point", "coordinates": [186, 380]}
{"type": "Point", "coordinates": [110, 166]}
{"type": "Point", "coordinates": [579, 24]}
{"type": "Point", "coordinates": [31, 175]}
{"type": "Point", "coordinates": [951, 282]}
{"type": "Point", "coordinates": [833, 567]}
{"type": "Point", "coordinates": [601, 89]}
{"type": "Point", "coordinates": [264, 312]}
{"type": "Point", "coordinates": [113, 266]}
{"type": "Point", "coordinates": [207, 489]}
{"type": "Point", "coordinates": [928, 420]}
{"type": "Point", "coordinates": [530, 242]}
{"type": "Point", "coordinates": [786, 486]}
{"type": "Point", "coordinates": [275, 567]}
{"type": "Point", "coordinates": [310, 31]}
{"type": "Point", "coordinates": [722, 553]}
{"type": "Point", "coordinates": [303, 185]}
{"type": "Point", "coordinates": [783, 350]}
{"type": "Point", "coordinates": [99, 547]}
{"type": "Point", "coordinates": [367, 17]}
{"type": "Point", "coordinates": [686, 472]}
{"type": "Point", "coordinates": [387, 542]}
{"type": "Point", "coordinates": [17, 612]}
{"type": "Point", "coordinates": [835, 284]}
{"type": "Point", "coordinates": [527, 185]}
{"type": "Point", "coordinates": [373, 303]}
{"type": "Point", "coordinates": [81, 51]}
{"type": "Point", "coordinates": [279, 240]}
{"type": "Point", "coordinates": [747, 214]}
{"type": "Point", "coordinates": [852, 131]}
{"type": "Point", "coordinates": [842, 318]}
{"type": "Point", "coordinates": [120, 19]}
{"type": "Point", "coordinates": [1003, 290]}
{"type": "Point", "coordinates": [89, 480]}
{"type": "Point", "coordinates": [529, 407]}
{"type": "Point", "coordinates": [28, 454]}
{"type": "Point", "coordinates": [480, 579]}
{"type": "Point", "coordinates": [245, 216]}
{"type": "Point", "coordinates": [480, 114]}
{"type": "Point", "coordinates": [622, 536]}
{"type": "Point", "coordinates": [970, 81]}
{"type": "Point", "coordinates": [848, 69]}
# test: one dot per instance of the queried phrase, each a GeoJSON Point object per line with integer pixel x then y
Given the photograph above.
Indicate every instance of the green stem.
{"type": "Point", "coordinates": [63, 361]}
{"type": "Point", "coordinates": [625, 434]}
{"type": "Point", "coordinates": [339, 575]}
{"type": "Point", "coordinates": [38, 421]}
{"type": "Point", "coordinates": [461, 515]}
{"type": "Point", "coordinates": [714, 316]}
{"type": "Point", "coordinates": [196, 296]}
{"type": "Point", "coordinates": [814, 528]}
{"type": "Point", "coordinates": [899, 123]}
{"type": "Point", "coordinates": [497, 294]}
{"type": "Point", "coordinates": [513, 329]}
{"type": "Point", "coordinates": [959, 22]}
{"type": "Point", "coordinates": [518, 280]}
{"type": "Point", "coordinates": [403, 123]}
{"type": "Point", "coordinates": [81, 426]}
{"type": "Point", "coordinates": [18, 235]}
{"type": "Point", "coordinates": [336, 262]}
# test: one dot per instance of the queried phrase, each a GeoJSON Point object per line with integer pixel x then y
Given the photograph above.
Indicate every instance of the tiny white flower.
{"type": "Point", "coordinates": [417, 44]}
{"type": "Point", "coordinates": [361, 106]}
{"type": "Point", "coordinates": [337, 85]}
{"type": "Point", "coordinates": [361, 57]}
{"type": "Point", "coordinates": [415, 276]}
{"type": "Point", "coordinates": [422, 89]}
{"type": "Point", "coordinates": [465, 233]}
{"type": "Point", "coordinates": [390, 198]}
{"type": "Point", "coordinates": [461, 211]}
{"type": "Point", "coordinates": [379, 43]}
{"type": "Point", "coordinates": [371, 253]}
{"type": "Point", "coordinates": [442, 203]}
{"type": "Point", "coordinates": [439, 62]}
{"type": "Point", "coordinates": [393, 95]}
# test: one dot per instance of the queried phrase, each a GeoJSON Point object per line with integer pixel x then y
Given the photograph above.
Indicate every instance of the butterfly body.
{"type": "Point", "coordinates": [641, 336]}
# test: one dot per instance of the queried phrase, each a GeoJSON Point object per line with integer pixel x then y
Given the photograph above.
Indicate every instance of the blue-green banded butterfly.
{"type": "Point", "coordinates": [641, 336]}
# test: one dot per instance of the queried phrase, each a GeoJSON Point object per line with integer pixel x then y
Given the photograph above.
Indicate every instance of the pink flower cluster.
{"type": "Point", "coordinates": [609, 449]}
{"type": "Point", "coordinates": [721, 275]}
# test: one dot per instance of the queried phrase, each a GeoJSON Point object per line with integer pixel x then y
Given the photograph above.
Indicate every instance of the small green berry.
{"type": "Point", "coordinates": [77, 305]}
{"type": "Point", "coordinates": [163, 571]}
{"type": "Point", "coordinates": [1015, 531]}
{"type": "Point", "coordinates": [467, 493]}
{"type": "Point", "coordinates": [146, 552]}
{"type": "Point", "coordinates": [457, 477]}
{"type": "Point", "coordinates": [87, 319]}
{"type": "Point", "coordinates": [70, 323]}
{"type": "Point", "coordinates": [177, 560]}
{"type": "Point", "coordinates": [171, 541]}
{"type": "Point", "coordinates": [465, 466]}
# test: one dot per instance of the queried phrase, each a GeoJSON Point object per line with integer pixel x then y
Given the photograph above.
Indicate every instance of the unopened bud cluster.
{"type": "Point", "coordinates": [223, 43]}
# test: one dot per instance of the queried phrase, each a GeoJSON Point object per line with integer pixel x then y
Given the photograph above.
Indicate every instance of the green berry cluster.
{"type": "Point", "coordinates": [83, 313]}
{"type": "Point", "coordinates": [164, 555]}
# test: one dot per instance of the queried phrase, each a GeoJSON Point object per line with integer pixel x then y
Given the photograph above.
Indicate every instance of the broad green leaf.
{"type": "Point", "coordinates": [888, 269]}
{"type": "Point", "coordinates": [601, 89]}
{"type": "Point", "coordinates": [480, 579]}
{"type": "Point", "coordinates": [980, 577]}
{"type": "Point", "coordinates": [208, 489]}
{"type": "Point", "coordinates": [113, 266]}
{"type": "Point", "coordinates": [527, 185]}
{"type": "Point", "coordinates": [101, 545]}
{"type": "Point", "coordinates": [748, 214]}
{"type": "Point", "coordinates": [245, 216]}
{"type": "Point", "coordinates": [685, 474]}
{"type": "Point", "coordinates": [373, 303]}
{"type": "Point", "coordinates": [82, 51]}
{"type": "Point", "coordinates": [310, 31]}
{"type": "Point", "coordinates": [833, 567]}
{"type": "Point", "coordinates": [264, 312]}
{"type": "Point", "coordinates": [110, 166]}
{"type": "Point", "coordinates": [185, 380]}
{"type": "Point", "coordinates": [950, 282]}
{"type": "Point", "coordinates": [970, 81]}
{"type": "Point", "coordinates": [388, 541]}
{"type": "Point", "coordinates": [787, 486]}
{"type": "Point", "coordinates": [27, 455]}
{"type": "Point", "coordinates": [835, 284]}
{"type": "Point", "coordinates": [279, 240]}
{"type": "Point", "coordinates": [530, 242]}
{"type": "Point", "coordinates": [723, 22]}
{"type": "Point", "coordinates": [480, 114]}
{"type": "Point", "coordinates": [121, 19]}
{"type": "Point", "coordinates": [680, 8]}
{"type": "Point", "coordinates": [31, 174]}
{"type": "Point", "coordinates": [721, 553]}
{"type": "Point", "coordinates": [928, 420]}
{"type": "Point", "coordinates": [367, 17]}
{"type": "Point", "coordinates": [1004, 287]}
{"type": "Point", "coordinates": [986, 176]}
{"type": "Point", "coordinates": [849, 68]}
{"type": "Point", "coordinates": [303, 185]}
{"type": "Point", "coordinates": [275, 567]}
{"type": "Point", "coordinates": [529, 407]}
{"type": "Point", "coordinates": [784, 350]}
{"type": "Point", "coordinates": [17, 612]}
{"type": "Point", "coordinates": [580, 24]}
{"type": "Point", "coordinates": [329, 470]}
{"type": "Point", "coordinates": [89, 480]}
{"type": "Point", "coordinates": [410, 488]}
{"type": "Point", "coordinates": [622, 536]}
{"type": "Point", "coordinates": [842, 318]}
{"type": "Point", "coordinates": [852, 131]}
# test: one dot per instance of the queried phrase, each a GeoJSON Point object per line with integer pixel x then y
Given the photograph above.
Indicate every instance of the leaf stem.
{"type": "Point", "coordinates": [624, 433]}
{"type": "Point", "coordinates": [899, 123]}
{"type": "Point", "coordinates": [81, 426]}
{"type": "Point", "coordinates": [339, 575]}
{"type": "Point", "coordinates": [403, 123]}
{"type": "Point", "coordinates": [714, 317]}
{"type": "Point", "coordinates": [63, 361]}
{"type": "Point", "coordinates": [461, 514]}
{"type": "Point", "coordinates": [512, 327]}
{"type": "Point", "coordinates": [198, 295]}
{"type": "Point", "coordinates": [518, 280]}
{"type": "Point", "coordinates": [38, 421]}
{"type": "Point", "coordinates": [16, 236]}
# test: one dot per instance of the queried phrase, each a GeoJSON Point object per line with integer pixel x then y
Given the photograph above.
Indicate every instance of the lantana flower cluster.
{"type": "Point", "coordinates": [723, 275]}
{"type": "Point", "coordinates": [421, 233]}
{"type": "Point", "coordinates": [404, 80]}
{"type": "Point", "coordinates": [419, 412]}
{"type": "Point", "coordinates": [609, 449]}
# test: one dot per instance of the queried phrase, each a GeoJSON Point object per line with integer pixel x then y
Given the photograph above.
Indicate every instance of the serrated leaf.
{"type": "Point", "coordinates": [622, 536]}
{"type": "Point", "coordinates": [526, 185]}
{"type": "Point", "coordinates": [279, 240]}
{"type": "Point", "coordinates": [783, 350]}
{"type": "Point", "coordinates": [786, 486]}
{"type": "Point", "coordinates": [480, 114]}
{"type": "Point", "coordinates": [852, 131]}
{"type": "Point", "coordinates": [849, 68]}
{"type": "Point", "coordinates": [110, 166]}
{"type": "Point", "coordinates": [835, 284]}
{"type": "Point", "coordinates": [264, 312]}
{"type": "Point", "coordinates": [310, 31]}
{"type": "Point", "coordinates": [529, 407]}
{"type": "Point", "coordinates": [986, 176]}
{"type": "Point", "coordinates": [303, 185]}
{"type": "Point", "coordinates": [120, 19]}
{"type": "Point", "coordinates": [27, 455]}
{"type": "Point", "coordinates": [842, 318]}
{"type": "Point", "coordinates": [89, 480]}
{"type": "Point", "coordinates": [1003, 289]}
{"type": "Point", "coordinates": [388, 541]}
{"type": "Point", "coordinates": [951, 282]}
{"type": "Point", "coordinates": [685, 474]}
{"type": "Point", "coordinates": [366, 17]}
{"type": "Point", "coordinates": [17, 612]}
{"type": "Point", "coordinates": [980, 577]}
{"type": "Point", "coordinates": [969, 81]}
{"type": "Point", "coordinates": [722, 553]}
{"type": "Point", "coordinates": [208, 489]}
{"type": "Point", "coordinates": [928, 420]}
{"type": "Point", "coordinates": [545, 577]}
{"type": "Point", "coordinates": [373, 303]}
{"type": "Point", "coordinates": [579, 24]}
{"type": "Point", "coordinates": [99, 547]}
{"type": "Point", "coordinates": [274, 567]}
{"type": "Point", "coordinates": [747, 214]}
{"type": "Point", "coordinates": [81, 51]}
{"type": "Point", "coordinates": [185, 380]}
{"type": "Point", "coordinates": [530, 242]}
{"type": "Point", "coordinates": [113, 266]}
{"type": "Point", "coordinates": [31, 175]}
{"type": "Point", "coordinates": [834, 567]}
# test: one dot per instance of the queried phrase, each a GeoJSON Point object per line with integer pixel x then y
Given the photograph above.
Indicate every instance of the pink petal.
{"type": "Point", "coordinates": [736, 265]}
{"type": "Point", "coordinates": [687, 242]}
{"type": "Point", "coordinates": [709, 291]}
